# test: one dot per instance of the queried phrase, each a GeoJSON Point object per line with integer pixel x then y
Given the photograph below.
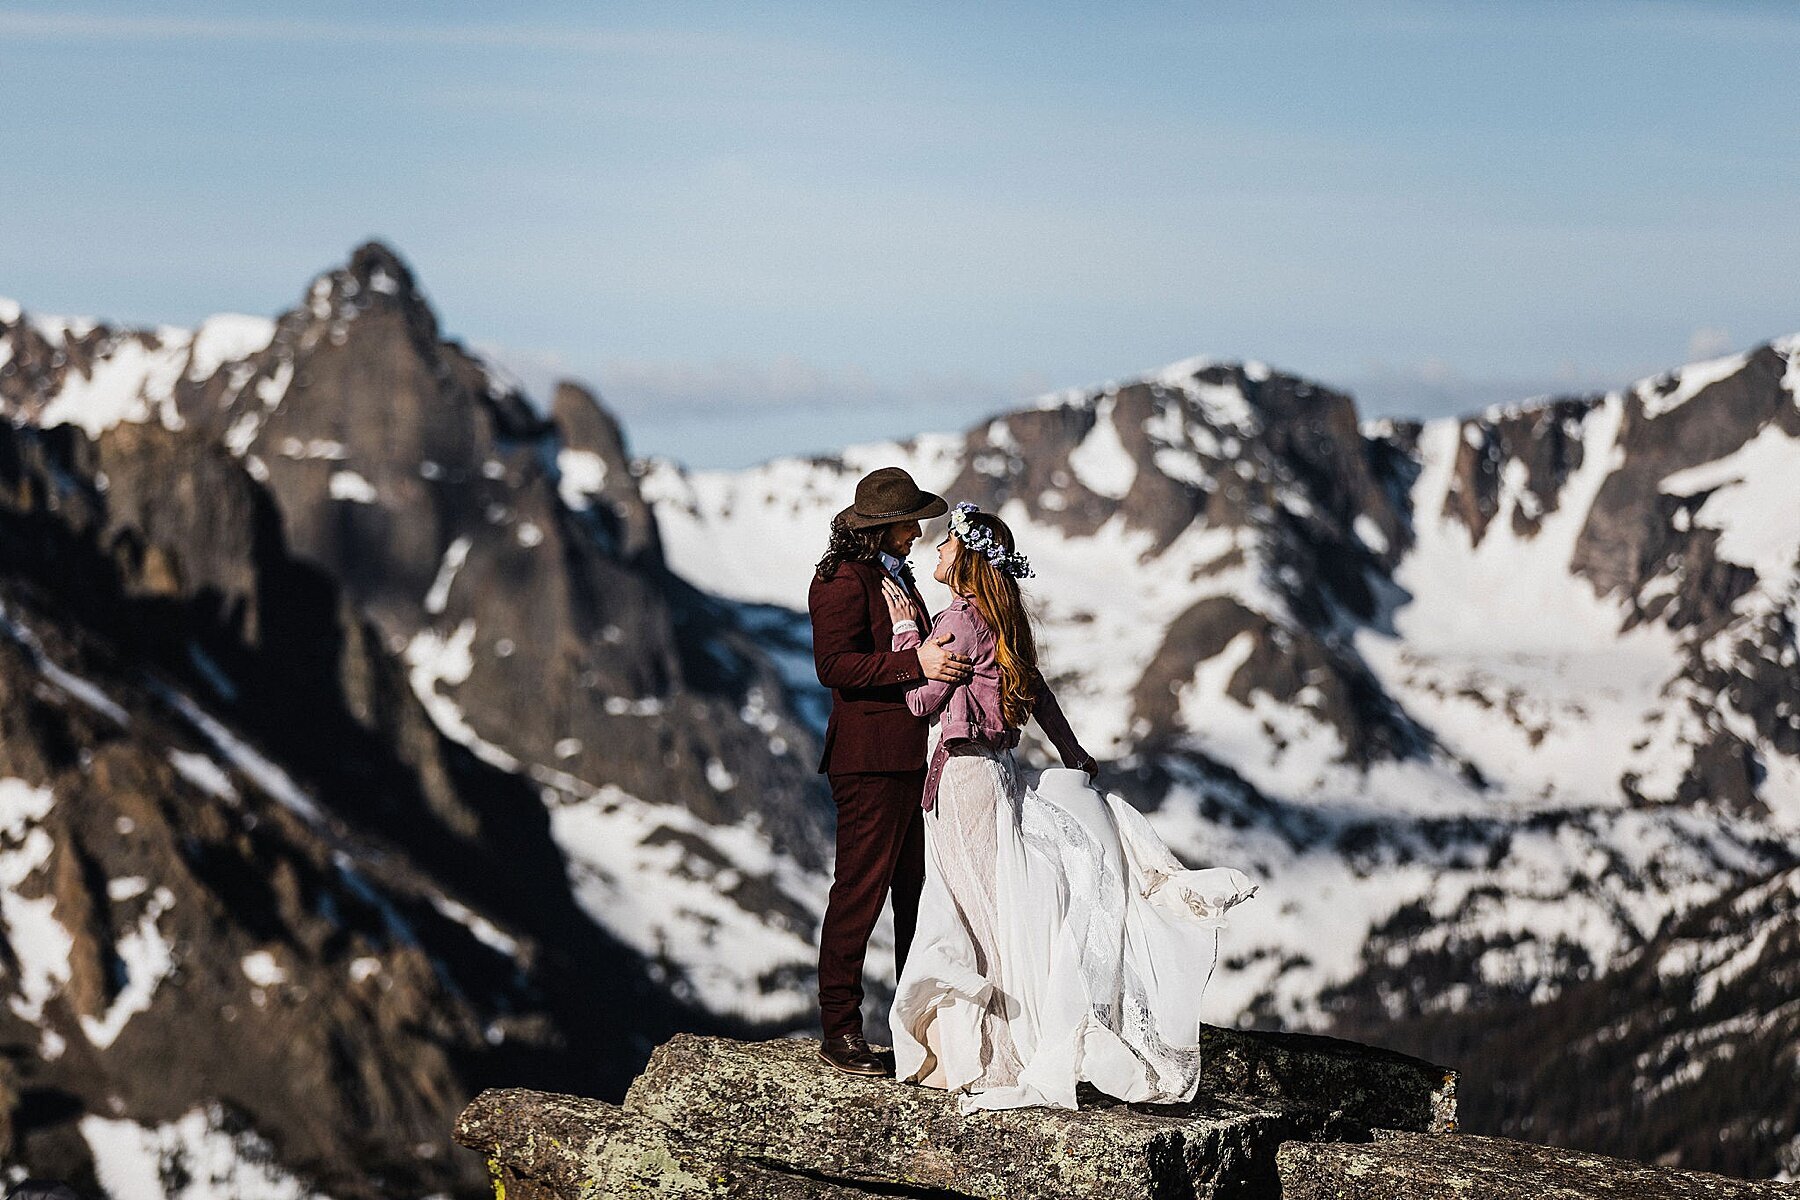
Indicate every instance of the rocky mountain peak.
{"type": "Point", "coordinates": [336, 564]}
{"type": "Point", "coordinates": [595, 473]}
{"type": "Point", "coordinates": [584, 422]}
{"type": "Point", "coordinates": [1226, 444]}
{"type": "Point", "coordinates": [376, 279]}
{"type": "Point", "coordinates": [1733, 411]}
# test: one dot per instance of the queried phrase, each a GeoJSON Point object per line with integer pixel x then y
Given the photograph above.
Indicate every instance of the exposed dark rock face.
{"type": "Point", "coordinates": [714, 1117]}
{"type": "Point", "coordinates": [1280, 665]}
{"type": "Point", "coordinates": [220, 953]}
{"type": "Point", "coordinates": [1226, 447]}
{"type": "Point", "coordinates": [1618, 546]}
{"type": "Point", "coordinates": [468, 527]}
{"type": "Point", "coordinates": [596, 468]}
{"type": "Point", "coordinates": [285, 796]}
{"type": "Point", "coordinates": [1684, 1054]}
{"type": "Point", "coordinates": [1541, 442]}
{"type": "Point", "coordinates": [251, 891]}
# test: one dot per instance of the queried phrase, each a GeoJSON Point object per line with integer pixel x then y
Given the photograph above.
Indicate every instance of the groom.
{"type": "Point", "coordinates": [874, 746]}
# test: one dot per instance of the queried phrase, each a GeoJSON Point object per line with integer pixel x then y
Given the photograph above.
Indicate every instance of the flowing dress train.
{"type": "Point", "coordinates": [1059, 942]}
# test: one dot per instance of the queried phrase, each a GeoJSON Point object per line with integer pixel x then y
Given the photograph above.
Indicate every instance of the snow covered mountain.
{"type": "Point", "coordinates": [1483, 702]}
{"type": "Point", "coordinates": [352, 702]}
{"type": "Point", "coordinates": [1684, 1052]}
{"type": "Point", "coordinates": [345, 700]}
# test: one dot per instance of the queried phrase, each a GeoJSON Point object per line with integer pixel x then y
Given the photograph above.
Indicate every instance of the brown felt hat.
{"type": "Point", "coordinates": [889, 496]}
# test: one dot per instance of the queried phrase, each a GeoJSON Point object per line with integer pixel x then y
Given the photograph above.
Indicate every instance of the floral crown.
{"type": "Point", "coordinates": [981, 540]}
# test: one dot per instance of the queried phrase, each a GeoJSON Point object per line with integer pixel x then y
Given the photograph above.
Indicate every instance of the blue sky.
{"type": "Point", "coordinates": [777, 228]}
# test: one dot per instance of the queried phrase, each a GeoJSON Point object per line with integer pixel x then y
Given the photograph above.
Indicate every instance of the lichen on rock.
{"type": "Point", "coordinates": [1397, 1166]}
{"type": "Point", "coordinates": [718, 1117]}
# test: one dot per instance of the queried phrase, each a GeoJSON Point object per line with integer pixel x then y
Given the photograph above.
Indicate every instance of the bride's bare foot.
{"type": "Point", "coordinates": [931, 1072]}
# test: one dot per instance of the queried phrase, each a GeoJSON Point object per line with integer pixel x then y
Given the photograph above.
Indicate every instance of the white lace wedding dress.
{"type": "Point", "coordinates": [1059, 942]}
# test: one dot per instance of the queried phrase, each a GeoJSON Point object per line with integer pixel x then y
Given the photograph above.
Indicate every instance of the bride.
{"type": "Point", "coordinates": [1059, 941]}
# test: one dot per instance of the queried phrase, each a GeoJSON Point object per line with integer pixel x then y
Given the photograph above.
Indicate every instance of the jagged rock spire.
{"type": "Point", "coordinates": [596, 471]}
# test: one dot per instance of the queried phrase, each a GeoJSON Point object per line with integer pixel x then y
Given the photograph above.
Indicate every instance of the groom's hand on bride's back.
{"type": "Point", "coordinates": [943, 664]}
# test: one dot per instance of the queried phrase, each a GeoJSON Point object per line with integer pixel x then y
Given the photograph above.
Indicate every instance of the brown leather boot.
{"type": "Point", "coordinates": [849, 1053]}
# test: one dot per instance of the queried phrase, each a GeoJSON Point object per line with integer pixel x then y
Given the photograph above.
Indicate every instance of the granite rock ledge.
{"type": "Point", "coordinates": [1281, 1117]}
{"type": "Point", "coordinates": [714, 1117]}
{"type": "Point", "coordinates": [1399, 1166]}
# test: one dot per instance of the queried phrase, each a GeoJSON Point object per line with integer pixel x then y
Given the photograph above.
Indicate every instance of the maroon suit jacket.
{"type": "Point", "coordinates": [871, 729]}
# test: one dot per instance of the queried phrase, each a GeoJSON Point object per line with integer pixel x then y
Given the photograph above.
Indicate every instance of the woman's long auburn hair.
{"type": "Point", "coordinates": [995, 595]}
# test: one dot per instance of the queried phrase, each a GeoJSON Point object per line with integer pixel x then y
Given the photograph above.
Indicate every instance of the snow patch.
{"type": "Point", "coordinates": [312, 448]}
{"type": "Point", "coordinates": [1178, 375]}
{"type": "Point", "coordinates": [275, 782]}
{"type": "Point", "coordinates": [1224, 405]}
{"type": "Point", "coordinates": [39, 942]}
{"type": "Point", "coordinates": [1789, 349]}
{"type": "Point", "coordinates": [434, 659]}
{"type": "Point", "coordinates": [485, 931]}
{"type": "Point", "coordinates": [1101, 462]}
{"type": "Point", "coordinates": [271, 389]}
{"type": "Point", "coordinates": [242, 433]}
{"type": "Point", "coordinates": [1687, 383]}
{"type": "Point", "coordinates": [787, 502]}
{"type": "Point", "coordinates": [147, 959]}
{"type": "Point", "coordinates": [226, 338]}
{"type": "Point", "coordinates": [1752, 504]}
{"type": "Point", "coordinates": [581, 475]}
{"type": "Point", "coordinates": [196, 1157]}
{"type": "Point", "coordinates": [1369, 533]}
{"type": "Point", "coordinates": [720, 779]}
{"type": "Point", "coordinates": [348, 485]}
{"type": "Point", "coordinates": [261, 969]}
{"type": "Point", "coordinates": [454, 556]}
{"type": "Point", "coordinates": [675, 907]}
{"type": "Point", "coordinates": [127, 382]}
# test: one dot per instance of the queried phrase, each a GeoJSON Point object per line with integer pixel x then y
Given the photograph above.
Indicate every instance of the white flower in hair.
{"type": "Point", "coordinates": [982, 541]}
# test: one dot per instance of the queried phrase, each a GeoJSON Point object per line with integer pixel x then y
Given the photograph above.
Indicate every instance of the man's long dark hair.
{"type": "Point", "coordinates": [849, 544]}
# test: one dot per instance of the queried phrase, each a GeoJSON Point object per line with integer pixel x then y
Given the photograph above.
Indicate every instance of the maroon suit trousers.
{"type": "Point", "coordinates": [880, 847]}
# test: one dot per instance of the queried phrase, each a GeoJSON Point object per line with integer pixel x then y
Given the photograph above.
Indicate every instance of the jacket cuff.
{"type": "Point", "coordinates": [903, 667]}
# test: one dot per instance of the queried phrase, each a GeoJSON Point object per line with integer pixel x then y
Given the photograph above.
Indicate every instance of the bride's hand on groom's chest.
{"type": "Point", "coordinates": [901, 606]}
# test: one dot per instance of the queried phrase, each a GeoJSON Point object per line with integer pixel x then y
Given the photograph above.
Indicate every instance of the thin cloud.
{"type": "Point", "coordinates": [740, 387]}
{"type": "Point", "coordinates": [536, 371]}
{"type": "Point", "coordinates": [1709, 341]}
{"type": "Point", "coordinates": [1436, 388]}
{"type": "Point", "coordinates": [74, 27]}
{"type": "Point", "coordinates": [737, 385]}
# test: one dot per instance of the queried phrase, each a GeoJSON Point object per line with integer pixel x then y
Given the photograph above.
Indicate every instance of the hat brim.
{"type": "Point", "coordinates": [934, 506]}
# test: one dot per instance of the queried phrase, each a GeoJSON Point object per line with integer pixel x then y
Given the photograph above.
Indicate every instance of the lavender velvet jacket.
{"type": "Point", "coordinates": [970, 711]}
